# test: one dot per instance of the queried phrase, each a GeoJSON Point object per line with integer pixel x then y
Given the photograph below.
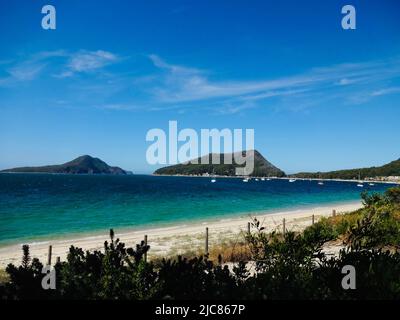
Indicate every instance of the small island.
{"type": "Point", "coordinates": [81, 165]}
{"type": "Point", "coordinates": [262, 167]}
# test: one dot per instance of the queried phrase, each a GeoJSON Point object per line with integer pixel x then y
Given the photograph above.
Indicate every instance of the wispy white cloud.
{"type": "Point", "coordinates": [346, 81]}
{"type": "Point", "coordinates": [173, 87]}
{"type": "Point", "coordinates": [174, 69]}
{"type": "Point", "coordinates": [29, 68]}
{"type": "Point", "coordinates": [119, 106]}
{"type": "Point", "coordinates": [85, 61]}
{"type": "Point", "coordinates": [26, 71]}
{"type": "Point", "coordinates": [273, 93]}
{"type": "Point", "coordinates": [43, 55]}
{"type": "Point", "coordinates": [185, 85]}
{"type": "Point", "coordinates": [365, 95]}
{"type": "Point", "coordinates": [385, 91]}
{"type": "Point", "coordinates": [230, 108]}
{"type": "Point", "coordinates": [163, 86]}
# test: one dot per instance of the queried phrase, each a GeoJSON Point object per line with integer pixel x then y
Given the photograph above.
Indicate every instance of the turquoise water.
{"type": "Point", "coordinates": [36, 206]}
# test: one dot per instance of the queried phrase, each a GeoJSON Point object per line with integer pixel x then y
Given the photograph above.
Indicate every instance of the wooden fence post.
{"type": "Point", "coordinates": [58, 260]}
{"type": "Point", "coordinates": [313, 219]}
{"type": "Point", "coordinates": [145, 243]}
{"type": "Point", "coordinates": [206, 244]}
{"type": "Point", "coordinates": [284, 226]}
{"type": "Point", "coordinates": [248, 227]}
{"type": "Point", "coordinates": [333, 213]}
{"type": "Point", "coordinates": [49, 256]}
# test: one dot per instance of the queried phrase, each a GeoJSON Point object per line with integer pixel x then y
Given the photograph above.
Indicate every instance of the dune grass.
{"type": "Point", "coordinates": [4, 277]}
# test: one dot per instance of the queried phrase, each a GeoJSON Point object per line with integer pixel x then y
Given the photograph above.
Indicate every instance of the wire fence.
{"type": "Point", "coordinates": [283, 226]}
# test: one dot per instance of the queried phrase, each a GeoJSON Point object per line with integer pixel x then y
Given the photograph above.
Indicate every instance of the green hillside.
{"type": "Point", "coordinates": [81, 165]}
{"type": "Point", "coordinates": [262, 168]}
{"type": "Point", "coordinates": [390, 169]}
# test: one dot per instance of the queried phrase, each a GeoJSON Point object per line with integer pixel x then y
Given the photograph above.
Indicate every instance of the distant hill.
{"type": "Point", "coordinates": [390, 169]}
{"type": "Point", "coordinates": [81, 165]}
{"type": "Point", "coordinates": [262, 168]}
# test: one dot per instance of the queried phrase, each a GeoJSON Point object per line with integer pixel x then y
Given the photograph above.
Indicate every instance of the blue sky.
{"type": "Point", "coordinates": [318, 97]}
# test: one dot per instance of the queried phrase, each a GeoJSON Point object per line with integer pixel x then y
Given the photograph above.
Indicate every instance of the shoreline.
{"type": "Point", "coordinates": [176, 238]}
{"type": "Point", "coordinates": [394, 182]}
{"type": "Point", "coordinates": [276, 178]}
{"type": "Point", "coordinates": [165, 225]}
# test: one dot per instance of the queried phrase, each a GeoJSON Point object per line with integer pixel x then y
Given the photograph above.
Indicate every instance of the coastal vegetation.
{"type": "Point", "coordinates": [263, 168]}
{"type": "Point", "coordinates": [286, 266]}
{"type": "Point", "coordinates": [387, 170]}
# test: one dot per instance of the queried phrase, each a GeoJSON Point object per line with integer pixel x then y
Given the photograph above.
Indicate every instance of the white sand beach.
{"type": "Point", "coordinates": [179, 238]}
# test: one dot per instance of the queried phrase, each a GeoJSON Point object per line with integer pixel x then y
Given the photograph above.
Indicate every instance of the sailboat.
{"type": "Point", "coordinates": [321, 183]}
{"type": "Point", "coordinates": [360, 184]}
{"type": "Point", "coordinates": [213, 180]}
{"type": "Point", "coordinates": [246, 180]}
{"type": "Point", "coordinates": [292, 180]}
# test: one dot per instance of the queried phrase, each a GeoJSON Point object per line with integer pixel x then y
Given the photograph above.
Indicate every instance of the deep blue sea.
{"type": "Point", "coordinates": [38, 206]}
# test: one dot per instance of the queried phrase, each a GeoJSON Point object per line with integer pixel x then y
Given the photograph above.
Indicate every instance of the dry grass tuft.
{"type": "Point", "coordinates": [3, 276]}
{"type": "Point", "coordinates": [230, 252]}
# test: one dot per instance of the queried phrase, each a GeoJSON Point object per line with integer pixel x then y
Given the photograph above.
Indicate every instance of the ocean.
{"type": "Point", "coordinates": [43, 206]}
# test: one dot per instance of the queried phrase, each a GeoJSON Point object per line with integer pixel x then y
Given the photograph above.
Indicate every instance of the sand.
{"type": "Point", "coordinates": [177, 239]}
